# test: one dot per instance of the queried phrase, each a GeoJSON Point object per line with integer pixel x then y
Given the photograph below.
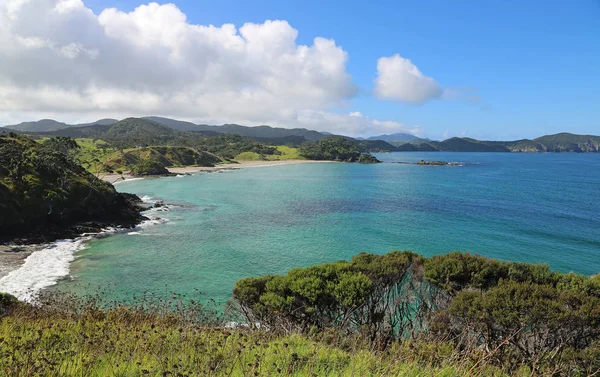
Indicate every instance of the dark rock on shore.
{"type": "Point", "coordinates": [434, 163]}
{"type": "Point", "coordinates": [430, 163]}
{"type": "Point", "coordinates": [123, 212]}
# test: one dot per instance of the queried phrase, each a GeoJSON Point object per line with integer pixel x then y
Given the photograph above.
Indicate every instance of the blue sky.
{"type": "Point", "coordinates": [522, 68]}
{"type": "Point", "coordinates": [534, 64]}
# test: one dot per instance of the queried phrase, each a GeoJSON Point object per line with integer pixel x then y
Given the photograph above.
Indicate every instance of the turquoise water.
{"type": "Point", "coordinates": [266, 220]}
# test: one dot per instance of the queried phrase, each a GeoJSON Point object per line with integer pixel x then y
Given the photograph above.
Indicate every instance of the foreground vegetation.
{"type": "Point", "coordinates": [67, 338]}
{"type": "Point", "coordinates": [394, 315]}
{"type": "Point", "coordinates": [512, 315]}
{"type": "Point", "coordinates": [125, 342]}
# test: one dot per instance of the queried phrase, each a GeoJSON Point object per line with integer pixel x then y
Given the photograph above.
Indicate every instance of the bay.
{"type": "Point", "coordinates": [220, 227]}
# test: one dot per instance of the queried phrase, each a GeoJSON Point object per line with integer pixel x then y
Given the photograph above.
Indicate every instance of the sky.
{"type": "Point", "coordinates": [500, 70]}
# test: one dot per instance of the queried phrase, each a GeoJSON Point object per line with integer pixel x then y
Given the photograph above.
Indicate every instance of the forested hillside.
{"type": "Point", "coordinates": [336, 148]}
{"type": "Point", "coordinates": [45, 193]}
{"type": "Point", "coordinates": [132, 132]}
{"type": "Point", "coordinates": [564, 142]}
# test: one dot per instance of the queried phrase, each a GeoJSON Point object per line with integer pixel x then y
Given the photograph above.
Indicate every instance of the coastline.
{"type": "Point", "coordinates": [21, 262]}
{"type": "Point", "coordinates": [116, 178]}
{"type": "Point", "coordinates": [27, 270]}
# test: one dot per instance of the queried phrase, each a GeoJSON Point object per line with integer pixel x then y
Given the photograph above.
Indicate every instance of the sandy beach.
{"type": "Point", "coordinates": [115, 178]}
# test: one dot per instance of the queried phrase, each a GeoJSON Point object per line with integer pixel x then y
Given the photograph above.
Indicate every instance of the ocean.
{"type": "Point", "coordinates": [221, 227]}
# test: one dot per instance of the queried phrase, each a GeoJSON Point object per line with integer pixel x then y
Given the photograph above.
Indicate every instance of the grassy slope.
{"type": "Point", "coordinates": [127, 343]}
{"type": "Point", "coordinates": [287, 153]}
{"type": "Point", "coordinates": [91, 149]}
{"type": "Point", "coordinates": [94, 154]}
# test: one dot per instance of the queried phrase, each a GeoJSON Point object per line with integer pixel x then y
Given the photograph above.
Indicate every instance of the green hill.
{"type": "Point", "coordinates": [101, 122]}
{"type": "Point", "coordinates": [563, 142]}
{"type": "Point", "coordinates": [140, 132]}
{"type": "Point", "coordinates": [375, 146]}
{"type": "Point", "coordinates": [132, 132]}
{"type": "Point", "coordinates": [337, 148]}
{"type": "Point", "coordinates": [396, 137]}
{"type": "Point", "coordinates": [164, 156]}
{"type": "Point", "coordinates": [258, 132]}
{"type": "Point", "coordinates": [566, 142]}
{"type": "Point", "coordinates": [43, 125]}
{"type": "Point", "coordinates": [93, 131]}
{"type": "Point", "coordinates": [457, 144]}
{"type": "Point", "coordinates": [45, 194]}
{"type": "Point", "coordinates": [268, 132]}
{"type": "Point", "coordinates": [139, 128]}
{"type": "Point", "coordinates": [49, 125]}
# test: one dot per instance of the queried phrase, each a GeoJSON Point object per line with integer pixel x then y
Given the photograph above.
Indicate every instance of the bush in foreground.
{"type": "Point", "coordinates": [512, 314]}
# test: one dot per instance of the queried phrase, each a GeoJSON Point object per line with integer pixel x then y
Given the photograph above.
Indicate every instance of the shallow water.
{"type": "Point", "coordinates": [265, 220]}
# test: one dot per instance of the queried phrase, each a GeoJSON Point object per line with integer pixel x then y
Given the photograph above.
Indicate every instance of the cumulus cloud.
{"type": "Point", "coordinates": [354, 123]}
{"type": "Point", "coordinates": [58, 57]}
{"type": "Point", "coordinates": [60, 60]}
{"type": "Point", "coordinates": [399, 79]}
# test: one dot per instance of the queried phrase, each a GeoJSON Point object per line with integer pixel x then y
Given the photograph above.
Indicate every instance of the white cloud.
{"type": "Point", "coordinates": [60, 60]}
{"type": "Point", "coordinates": [399, 79]}
{"type": "Point", "coordinates": [352, 124]}
{"type": "Point", "coordinates": [58, 56]}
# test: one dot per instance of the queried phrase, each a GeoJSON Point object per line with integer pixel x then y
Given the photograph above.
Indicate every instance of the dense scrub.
{"type": "Point", "coordinates": [229, 146]}
{"type": "Point", "coordinates": [45, 193]}
{"type": "Point", "coordinates": [283, 153]}
{"type": "Point", "coordinates": [335, 148]}
{"type": "Point", "coordinates": [155, 160]}
{"type": "Point", "coordinates": [515, 314]}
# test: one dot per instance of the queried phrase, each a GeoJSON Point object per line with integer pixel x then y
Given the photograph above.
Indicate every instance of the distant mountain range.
{"type": "Point", "coordinates": [393, 138]}
{"type": "Point", "coordinates": [48, 125]}
{"type": "Point", "coordinates": [259, 132]}
{"type": "Point", "coordinates": [157, 129]}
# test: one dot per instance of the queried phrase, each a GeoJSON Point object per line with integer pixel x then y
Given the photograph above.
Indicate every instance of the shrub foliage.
{"type": "Point", "coordinates": [516, 313]}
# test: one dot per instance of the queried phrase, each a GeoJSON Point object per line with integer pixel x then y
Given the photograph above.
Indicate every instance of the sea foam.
{"type": "Point", "coordinates": [45, 267]}
{"type": "Point", "coordinates": [42, 269]}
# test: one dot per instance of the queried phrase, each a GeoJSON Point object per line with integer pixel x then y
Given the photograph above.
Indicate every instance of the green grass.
{"type": "Point", "coordinates": [248, 156]}
{"type": "Point", "coordinates": [94, 152]}
{"type": "Point", "coordinates": [287, 153]}
{"type": "Point", "coordinates": [123, 342]}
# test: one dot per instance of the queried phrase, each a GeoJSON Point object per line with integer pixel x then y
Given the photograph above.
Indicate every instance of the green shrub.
{"type": "Point", "coordinates": [7, 303]}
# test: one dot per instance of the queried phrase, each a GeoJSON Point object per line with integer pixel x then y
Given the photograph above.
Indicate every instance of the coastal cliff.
{"type": "Point", "coordinates": [46, 195]}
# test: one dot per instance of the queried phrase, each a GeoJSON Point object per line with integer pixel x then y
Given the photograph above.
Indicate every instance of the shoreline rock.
{"type": "Point", "coordinates": [430, 163]}
{"type": "Point", "coordinates": [125, 212]}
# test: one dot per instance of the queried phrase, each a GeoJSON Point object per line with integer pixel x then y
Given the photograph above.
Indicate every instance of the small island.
{"type": "Point", "coordinates": [430, 163]}
{"type": "Point", "coordinates": [438, 163]}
